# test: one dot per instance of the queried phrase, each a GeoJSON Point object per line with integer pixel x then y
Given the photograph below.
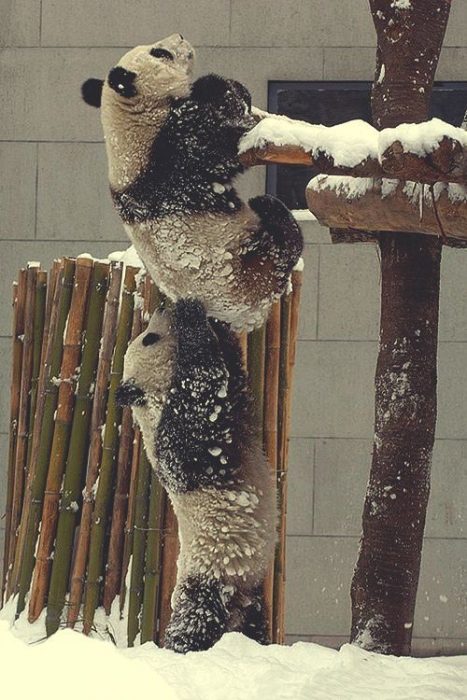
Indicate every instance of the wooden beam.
{"type": "Point", "coordinates": [389, 205]}
{"type": "Point", "coordinates": [447, 162]}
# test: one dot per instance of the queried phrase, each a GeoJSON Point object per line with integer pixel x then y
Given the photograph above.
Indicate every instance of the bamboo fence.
{"type": "Point", "coordinates": [87, 524]}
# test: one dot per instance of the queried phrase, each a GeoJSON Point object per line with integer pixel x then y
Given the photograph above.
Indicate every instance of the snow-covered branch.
{"type": "Point", "coordinates": [428, 152]}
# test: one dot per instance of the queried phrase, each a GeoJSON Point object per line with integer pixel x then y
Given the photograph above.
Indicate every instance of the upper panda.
{"type": "Point", "coordinates": [184, 379]}
{"type": "Point", "coordinates": [172, 148]}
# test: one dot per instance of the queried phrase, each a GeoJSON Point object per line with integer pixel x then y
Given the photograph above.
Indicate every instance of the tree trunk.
{"type": "Point", "coordinates": [385, 581]}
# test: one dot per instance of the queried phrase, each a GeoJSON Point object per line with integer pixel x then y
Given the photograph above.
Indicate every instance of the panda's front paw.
{"type": "Point", "coordinates": [210, 88]}
{"type": "Point", "coordinates": [128, 394]}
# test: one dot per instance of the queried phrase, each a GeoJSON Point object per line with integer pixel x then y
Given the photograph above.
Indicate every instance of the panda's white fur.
{"type": "Point", "coordinates": [190, 383]}
{"type": "Point", "coordinates": [172, 149]}
{"type": "Point", "coordinates": [131, 124]}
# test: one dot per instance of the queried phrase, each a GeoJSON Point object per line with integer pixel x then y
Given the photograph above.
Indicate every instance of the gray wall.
{"type": "Point", "coordinates": [54, 201]}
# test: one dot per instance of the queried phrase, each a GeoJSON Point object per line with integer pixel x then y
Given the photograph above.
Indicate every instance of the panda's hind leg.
{"type": "Point", "coordinates": [278, 223]}
{"type": "Point", "coordinates": [199, 618]}
{"type": "Point", "coordinates": [255, 623]}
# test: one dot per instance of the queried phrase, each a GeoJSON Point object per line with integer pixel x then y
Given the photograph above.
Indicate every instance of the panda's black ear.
{"type": "Point", "coordinates": [91, 91]}
{"type": "Point", "coordinates": [122, 81]}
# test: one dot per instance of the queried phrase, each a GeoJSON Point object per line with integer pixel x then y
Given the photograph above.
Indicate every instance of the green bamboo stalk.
{"type": "Point", "coordinates": [286, 303]}
{"type": "Point", "coordinates": [19, 291]}
{"type": "Point", "coordinates": [113, 567]}
{"type": "Point", "coordinates": [139, 547]}
{"type": "Point", "coordinates": [109, 456]}
{"type": "Point", "coordinates": [66, 398]}
{"type": "Point", "coordinates": [128, 456]}
{"type": "Point", "coordinates": [256, 367]}
{"type": "Point", "coordinates": [152, 298]}
{"type": "Point", "coordinates": [152, 570]}
{"type": "Point", "coordinates": [289, 329]}
{"type": "Point", "coordinates": [136, 446]}
{"type": "Point", "coordinates": [23, 413]}
{"type": "Point", "coordinates": [58, 304]}
{"type": "Point", "coordinates": [38, 334]}
{"type": "Point", "coordinates": [280, 562]}
{"type": "Point", "coordinates": [109, 333]}
{"type": "Point", "coordinates": [130, 519]}
{"type": "Point", "coordinates": [78, 449]}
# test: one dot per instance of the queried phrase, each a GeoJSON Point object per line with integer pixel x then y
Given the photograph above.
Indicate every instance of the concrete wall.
{"type": "Point", "coordinates": [54, 201]}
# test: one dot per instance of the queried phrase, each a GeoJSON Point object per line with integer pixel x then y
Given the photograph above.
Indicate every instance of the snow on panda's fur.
{"type": "Point", "coordinates": [185, 380]}
{"type": "Point", "coordinates": [172, 149]}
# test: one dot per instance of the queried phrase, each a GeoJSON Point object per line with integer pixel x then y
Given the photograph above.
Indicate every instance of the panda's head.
{"type": "Point", "coordinates": [149, 364]}
{"type": "Point", "coordinates": [144, 77]}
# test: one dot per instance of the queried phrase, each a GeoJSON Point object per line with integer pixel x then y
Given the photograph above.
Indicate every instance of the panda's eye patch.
{"type": "Point", "coordinates": [161, 53]}
{"type": "Point", "coordinates": [151, 338]}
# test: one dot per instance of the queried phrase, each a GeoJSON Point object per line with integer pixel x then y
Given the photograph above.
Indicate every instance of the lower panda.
{"type": "Point", "coordinates": [184, 379]}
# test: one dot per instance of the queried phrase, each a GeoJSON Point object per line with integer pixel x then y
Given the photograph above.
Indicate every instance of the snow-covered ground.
{"type": "Point", "coordinates": [73, 666]}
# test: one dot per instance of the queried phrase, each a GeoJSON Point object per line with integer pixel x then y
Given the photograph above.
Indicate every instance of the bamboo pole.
{"type": "Point", "coordinates": [62, 428]}
{"type": "Point", "coordinates": [270, 420]}
{"type": "Point", "coordinates": [113, 568]}
{"type": "Point", "coordinates": [130, 521]}
{"type": "Point", "coordinates": [289, 331]}
{"type": "Point", "coordinates": [109, 329]}
{"type": "Point", "coordinates": [271, 394]}
{"type": "Point", "coordinates": [152, 571]}
{"type": "Point", "coordinates": [38, 335]}
{"type": "Point", "coordinates": [58, 304]}
{"type": "Point", "coordinates": [170, 550]}
{"type": "Point", "coordinates": [136, 446]}
{"type": "Point", "coordinates": [40, 330]}
{"type": "Point", "coordinates": [256, 365]}
{"type": "Point", "coordinates": [19, 291]}
{"type": "Point", "coordinates": [117, 562]}
{"type": "Point", "coordinates": [109, 455]}
{"type": "Point", "coordinates": [279, 563]}
{"type": "Point", "coordinates": [243, 340]}
{"type": "Point", "coordinates": [24, 407]}
{"type": "Point", "coordinates": [78, 448]}
{"type": "Point", "coordinates": [139, 545]}
{"type": "Point", "coordinates": [140, 528]}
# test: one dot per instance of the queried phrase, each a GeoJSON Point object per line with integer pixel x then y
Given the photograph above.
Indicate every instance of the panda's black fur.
{"type": "Point", "coordinates": [172, 184]}
{"type": "Point", "coordinates": [198, 434]}
{"type": "Point", "coordinates": [197, 145]}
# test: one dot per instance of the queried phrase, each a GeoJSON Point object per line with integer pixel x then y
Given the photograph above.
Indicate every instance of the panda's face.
{"type": "Point", "coordinates": [145, 77]}
{"type": "Point", "coordinates": [149, 364]}
{"type": "Point", "coordinates": [152, 73]}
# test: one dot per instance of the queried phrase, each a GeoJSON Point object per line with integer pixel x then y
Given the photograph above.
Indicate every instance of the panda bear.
{"type": "Point", "coordinates": [184, 379]}
{"type": "Point", "coordinates": [172, 148]}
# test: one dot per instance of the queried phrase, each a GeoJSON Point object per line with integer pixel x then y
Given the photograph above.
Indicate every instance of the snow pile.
{"type": "Point", "coordinates": [421, 138]}
{"type": "Point", "coordinates": [129, 257]}
{"type": "Point", "coordinates": [348, 144]}
{"type": "Point", "coordinates": [351, 143]}
{"type": "Point", "coordinates": [235, 669]}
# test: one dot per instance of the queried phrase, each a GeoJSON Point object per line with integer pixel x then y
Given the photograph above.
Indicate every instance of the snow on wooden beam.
{"type": "Point", "coordinates": [428, 152]}
{"type": "Point", "coordinates": [389, 205]}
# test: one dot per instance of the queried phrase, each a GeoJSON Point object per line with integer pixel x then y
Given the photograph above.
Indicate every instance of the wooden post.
{"type": "Point", "coordinates": [384, 585]}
